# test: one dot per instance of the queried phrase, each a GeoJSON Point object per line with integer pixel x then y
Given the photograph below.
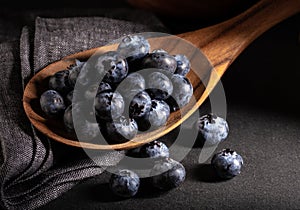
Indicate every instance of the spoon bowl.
{"type": "Point", "coordinates": [211, 50]}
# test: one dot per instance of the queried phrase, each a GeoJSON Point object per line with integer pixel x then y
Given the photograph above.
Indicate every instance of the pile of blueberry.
{"type": "Point", "coordinates": [138, 90]}
{"type": "Point", "coordinates": [213, 130]}
{"type": "Point", "coordinates": [166, 173]}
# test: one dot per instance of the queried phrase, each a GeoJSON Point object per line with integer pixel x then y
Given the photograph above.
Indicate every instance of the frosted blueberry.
{"type": "Point", "coordinates": [140, 105]}
{"type": "Point", "coordinates": [132, 85]}
{"type": "Point", "coordinates": [154, 149]}
{"type": "Point", "coordinates": [94, 89]}
{"type": "Point", "coordinates": [212, 129]}
{"type": "Point", "coordinates": [52, 103]}
{"type": "Point", "coordinates": [68, 119]}
{"type": "Point", "coordinates": [113, 66]}
{"type": "Point", "coordinates": [60, 82]}
{"type": "Point", "coordinates": [160, 60]}
{"type": "Point", "coordinates": [183, 64]}
{"type": "Point", "coordinates": [133, 47]}
{"type": "Point", "coordinates": [74, 72]}
{"type": "Point", "coordinates": [124, 183]}
{"type": "Point", "coordinates": [86, 129]}
{"type": "Point", "coordinates": [157, 117]}
{"type": "Point", "coordinates": [159, 51]}
{"type": "Point", "coordinates": [227, 163]}
{"type": "Point", "coordinates": [121, 129]}
{"type": "Point", "coordinates": [182, 90]}
{"type": "Point", "coordinates": [109, 105]}
{"type": "Point", "coordinates": [159, 86]}
{"type": "Point", "coordinates": [167, 174]}
{"type": "Point", "coordinates": [69, 98]}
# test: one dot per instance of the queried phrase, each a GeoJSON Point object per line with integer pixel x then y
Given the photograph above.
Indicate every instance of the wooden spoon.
{"type": "Point", "coordinates": [221, 44]}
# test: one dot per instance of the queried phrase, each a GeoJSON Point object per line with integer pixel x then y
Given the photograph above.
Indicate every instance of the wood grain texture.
{"type": "Point", "coordinates": [221, 44]}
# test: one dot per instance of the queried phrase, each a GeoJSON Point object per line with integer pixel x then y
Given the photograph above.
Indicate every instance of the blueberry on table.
{"type": "Point", "coordinates": [160, 60]}
{"type": "Point", "coordinates": [133, 47]}
{"type": "Point", "coordinates": [112, 66]}
{"type": "Point", "coordinates": [52, 103]}
{"type": "Point", "coordinates": [183, 64]}
{"type": "Point", "coordinates": [227, 163]}
{"type": "Point", "coordinates": [212, 129]}
{"type": "Point", "coordinates": [167, 174]}
{"type": "Point", "coordinates": [132, 85]}
{"type": "Point", "coordinates": [182, 90]}
{"type": "Point", "coordinates": [60, 82]}
{"type": "Point", "coordinates": [154, 149]}
{"type": "Point", "coordinates": [124, 183]}
{"type": "Point", "coordinates": [109, 105]}
{"type": "Point", "coordinates": [159, 86]}
{"type": "Point", "coordinates": [121, 129]}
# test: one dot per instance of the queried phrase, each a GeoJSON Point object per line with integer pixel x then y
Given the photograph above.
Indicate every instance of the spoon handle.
{"type": "Point", "coordinates": [222, 43]}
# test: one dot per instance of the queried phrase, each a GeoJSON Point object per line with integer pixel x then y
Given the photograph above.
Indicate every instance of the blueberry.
{"type": "Point", "coordinates": [121, 129]}
{"type": "Point", "coordinates": [103, 86]}
{"type": "Point", "coordinates": [159, 86]}
{"type": "Point", "coordinates": [84, 75]}
{"type": "Point", "coordinates": [227, 163]}
{"type": "Point", "coordinates": [160, 60]}
{"type": "Point", "coordinates": [60, 82]}
{"type": "Point", "coordinates": [68, 119]}
{"type": "Point", "coordinates": [82, 111]}
{"type": "Point", "coordinates": [52, 103]}
{"type": "Point", "coordinates": [212, 129]}
{"type": "Point", "coordinates": [140, 105]}
{"type": "Point", "coordinates": [113, 66]}
{"type": "Point", "coordinates": [69, 97]}
{"type": "Point", "coordinates": [133, 47]}
{"type": "Point", "coordinates": [94, 89]}
{"type": "Point", "coordinates": [159, 113]}
{"type": "Point", "coordinates": [154, 149]}
{"type": "Point", "coordinates": [74, 72]}
{"type": "Point", "coordinates": [183, 64]}
{"type": "Point", "coordinates": [172, 104]}
{"type": "Point", "coordinates": [157, 117]}
{"type": "Point", "coordinates": [159, 51]}
{"type": "Point", "coordinates": [109, 105]}
{"type": "Point", "coordinates": [167, 174]}
{"type": "Point", "coordinates": [87, 130]}
{"type": "Point", "coordinates": [124, 183]}
{"type": "Point", "coordinates": [182, 90]}
{"type": "Point", "coordinates": [132, 85]}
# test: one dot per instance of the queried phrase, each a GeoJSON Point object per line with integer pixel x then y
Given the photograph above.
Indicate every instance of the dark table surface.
{"type": "Point", "coordinates": [262, 93]}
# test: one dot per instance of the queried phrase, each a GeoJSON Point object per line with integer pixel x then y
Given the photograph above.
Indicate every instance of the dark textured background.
{"type": "Point", "coordinates": [262, 90]}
